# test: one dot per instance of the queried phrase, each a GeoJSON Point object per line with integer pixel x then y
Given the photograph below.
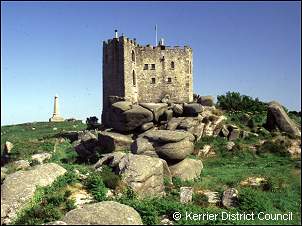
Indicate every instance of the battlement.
{"type": "Point", "coordinates": [125, 40]}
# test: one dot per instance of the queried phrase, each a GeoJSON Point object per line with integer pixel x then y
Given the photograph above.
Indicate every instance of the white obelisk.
{"type": "Point", "coordinates": [55, 116]}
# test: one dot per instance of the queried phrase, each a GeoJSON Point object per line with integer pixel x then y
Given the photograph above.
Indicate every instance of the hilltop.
{"type": "Point", "coordinates": [237, 164]}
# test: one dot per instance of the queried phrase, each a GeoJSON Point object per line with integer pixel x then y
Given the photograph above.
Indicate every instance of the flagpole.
{"type": "Point", "coordinates": [155, 34]}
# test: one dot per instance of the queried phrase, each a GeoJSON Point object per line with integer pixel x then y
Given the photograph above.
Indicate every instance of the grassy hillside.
{"type": "Point", "coordinates": [280, 194]}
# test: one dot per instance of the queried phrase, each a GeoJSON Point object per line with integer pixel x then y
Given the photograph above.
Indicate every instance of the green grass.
{"type": "Point", "coordinates": [226, 169]}
{"type": "Point", "coordinates": [283, 195]}
{"type": "Point", "coordinates": [64, 153]}
{"type": "Point", "coordinates": [27, 141]}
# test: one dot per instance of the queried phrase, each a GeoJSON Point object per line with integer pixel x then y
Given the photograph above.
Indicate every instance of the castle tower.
{"type": "Point", "coordinates": [56, 116]}
{"type": "Point", "coordinates": [141, 74]}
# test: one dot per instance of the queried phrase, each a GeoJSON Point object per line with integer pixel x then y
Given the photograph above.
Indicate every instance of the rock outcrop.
{"type": "Point", "coordinates": [71, 135]}
{"type": "Point", "coordinates": [206, 151]}
{"type": "Point", "coordinates": [86, 145]}
{"type": "Point", "coordinates": [213, 197]}
{"type": "Point", "coordinates": [188, 169]}
{"type": "Point", "coordinates": [143, 146]}
{"type": "Point", "coordinates": [186, 194]}
{"type": "Point", "coordinates": [110, 159]}
{"type": "Point", "coordinates": [158, 109]}
{"type": "Point", "coordinates": [234, 132]}
{"type": "Point", "coordinates": [206, 100]}
{"type": "Point", "coordinates": [277, 118]}
{"type": "Point", "coordinates": [230, 198]}
{"type": "Point", "coordinates": [177, 109]}
{"type": "Point", "coordinates": [166, 136]}
{"type": "Point", "coordinates": [144, 174]}
{"type": "Point", "coordinates": [103, 213]}
{"type": "Point", "coordinates": [21, 164]}
{"type": "Point", "coordinates": [111, 141]}
{"type": "Point", "coordinates": [18, 188]}
{"type": "Point", "coordinates": [126, 117]}
{"type": "Point", "coordinates": [192, 109]}
{"type": "Point", "coordinates": [40, 158]}
{"type": "Point", "coordinates": [169, 145]}
{"type": "Point", "coordinates": [8, 147]}
{"type": "Point", "coordinates": [175, 151]}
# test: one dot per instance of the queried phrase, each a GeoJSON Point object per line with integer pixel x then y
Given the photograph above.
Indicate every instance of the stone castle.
{"type": "Point", "coordinates": [146, 74]}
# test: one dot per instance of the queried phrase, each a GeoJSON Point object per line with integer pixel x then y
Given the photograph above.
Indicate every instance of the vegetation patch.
{"type": "Point", "coordinates": [234, 101]}
{"type": "Point", "coordinates": [95, 185]}
{"type": "Point", "coordinates": [49, 203]}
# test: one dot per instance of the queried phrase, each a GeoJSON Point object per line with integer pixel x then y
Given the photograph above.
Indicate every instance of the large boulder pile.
{"type": "Point", "coordinates": [126, 117]}
{"type": "Point", "coordinates": [169, 145]}
{"type": "Point", "coordinates": [18, 188]}
{"type": "Point", "coordinates": [174, 147]}
{"type": "Point", "coordinates": [160, 137]}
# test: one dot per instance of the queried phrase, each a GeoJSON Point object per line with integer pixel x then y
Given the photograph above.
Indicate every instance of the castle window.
{"type": "Point", "coordinates": [169, 80]}
{"type": "Point", "coordinates": [172, 65]}
{"type": "Point", "coordinates": [133, 78]}
{"type": "Point", "coordinates": [152, 80]}
{"type": "Point", "coordinates": [152, 66]}
{"type": "Point", "coordinates": [146, 67]}
{"type": "Point", "coordinates": [133, 56]}
{"type": "Point", "coordinates": [190, 67]}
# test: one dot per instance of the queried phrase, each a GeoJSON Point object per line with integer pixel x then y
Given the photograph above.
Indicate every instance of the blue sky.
{"type": "Point", "coordinates": [50, 48]}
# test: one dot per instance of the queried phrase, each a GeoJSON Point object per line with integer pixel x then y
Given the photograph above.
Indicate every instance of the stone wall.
{"type": "Point", "coordinates": [175, 81]}
{"type": "Point", "coordinates": [125, 74]}
{"type": "Point", "coordinates": [113, 73]}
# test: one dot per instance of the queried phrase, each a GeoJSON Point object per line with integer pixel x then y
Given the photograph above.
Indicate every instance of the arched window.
{"type": "Point", "coordinates": [133, 56]}
{"type": "Point", "coordinates": [133, 78]}
{"type": "Point", "coordinates": [172, 65]}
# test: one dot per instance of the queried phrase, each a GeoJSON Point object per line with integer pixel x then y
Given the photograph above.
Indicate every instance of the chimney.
{"type": "Point", "coordinates": [116, 35]}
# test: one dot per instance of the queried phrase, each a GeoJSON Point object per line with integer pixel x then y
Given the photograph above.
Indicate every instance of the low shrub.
{"type": "Point", "coordinates": [110, 179]}
{"type": "Point", "coordinates": [234, 101]}
{"type": "Point", "coordinates": [253, 200]}
{"type": "Point", "coordinates": [200, 199]}
{"type": "Point", "coordinates": [49, 203]}
{"type": "Point", "coordinates": [278, 146]}
{"type": "Point", "coordinates": [218, 144]}
{"type": "Point", "coordinates": [178, 182]}
{"type": "Point", "coordinates": [94, 183]}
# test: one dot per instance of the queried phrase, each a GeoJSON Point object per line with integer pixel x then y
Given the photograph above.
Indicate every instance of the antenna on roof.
{"type": "Point", "coordinates": [155, 34]}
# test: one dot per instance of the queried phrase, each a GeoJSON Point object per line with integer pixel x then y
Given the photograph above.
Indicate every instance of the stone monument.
{"type": "Point", "coordinates": [56, 116]}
